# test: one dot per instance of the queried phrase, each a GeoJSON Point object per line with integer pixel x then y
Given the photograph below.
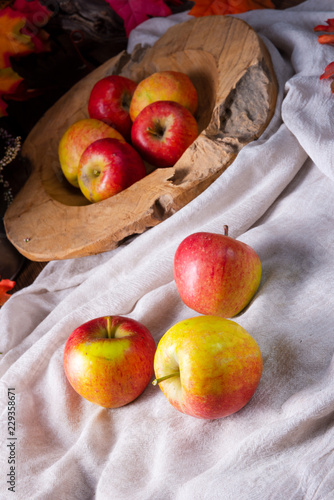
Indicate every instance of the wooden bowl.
{"type": "Point", "coordinates": [232, 72]}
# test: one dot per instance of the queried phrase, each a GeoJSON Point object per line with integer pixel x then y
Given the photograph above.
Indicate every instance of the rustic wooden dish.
{"type": "Point", "coordinates": [232, 71]}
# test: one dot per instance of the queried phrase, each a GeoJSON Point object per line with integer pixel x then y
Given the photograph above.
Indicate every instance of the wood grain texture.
{"type": "Point", "coordinates": [231, 69]}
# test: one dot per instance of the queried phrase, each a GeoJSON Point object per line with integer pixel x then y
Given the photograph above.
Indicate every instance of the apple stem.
{"type": "Point", "coordinates": [109, 327]}
{"type": "Point", "coordinates": [161, 379]}
{"type": "Point", "coordinates": [225, 230]}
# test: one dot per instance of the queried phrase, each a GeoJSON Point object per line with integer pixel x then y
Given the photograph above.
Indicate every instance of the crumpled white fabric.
{"type": "Point", "coordinates": [277, 196]}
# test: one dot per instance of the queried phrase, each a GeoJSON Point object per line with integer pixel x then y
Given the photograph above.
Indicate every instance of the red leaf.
{"type": "Point", "coordinates": [134, 12]}
{"type": "Point", "coordinates": [5, 286]}
{"type": "Point", "coordinates": [227, 7]}
{"type": "Point", "coordinates": [329, 71]}
{"type": "Point", "coordinates": [326, 39]}
{"type": "Point", "coordinates": [329, 27]}
{"type": "Point", "coordinates": [37, 16]}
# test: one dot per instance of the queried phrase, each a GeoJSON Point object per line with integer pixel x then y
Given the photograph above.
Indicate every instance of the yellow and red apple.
{"type": "Point", "coordinates": [216, 274]}
{"type": "Point", "coordinates": [207, 366]}
{"type": "Point", "coordinates": [109, 101]}
{"type": "Point", "coordinates": [162, 132]}
{"type": "Point", "coordinates": [108, 166]}
{"type": "Point", "coordinates": [109, 360]}
{"type": "Point", "coordinates": [164, 86]}
{"type": "Point", "coordinates": [76, 139]}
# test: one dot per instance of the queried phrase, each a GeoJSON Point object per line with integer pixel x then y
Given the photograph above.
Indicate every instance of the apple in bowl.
{"type": "Point", "coordinates": [164, 86]}
{"type": "Point", "coordinates": [162, 132]}
{"type": "Point", "coordinates": [207, 366]}
{"type": "Point", "coordinates": [109, 360]}
{"type": "Point", "coordinates": [109, 101]}
{"type": "Point", "coordinates": [76, 139]}
{"type": "Point", "coordinates": [108, 166]}
{"type": "Point", "coordinates": [216, 274]}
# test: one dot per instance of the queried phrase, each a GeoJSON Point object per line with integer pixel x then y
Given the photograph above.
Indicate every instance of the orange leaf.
{"type": "Point", "coordinates": [324, 39]}
{"type": "Point", "coordinates": [329, 71]}
{"type": "Point", "coordinates": [224, 7]}
{"type": "Point", "coordinates": [9, 80]}
{"type": "Point", "coordinates": [5, 286]}
{"type": "Point", "coordinates": [12, 41]}
{"type": "Point", "coordinates": [19, 37]}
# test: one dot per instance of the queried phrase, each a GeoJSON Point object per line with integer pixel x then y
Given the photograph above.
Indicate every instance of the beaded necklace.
{"type": "Point", "coordinates": [10, 146]}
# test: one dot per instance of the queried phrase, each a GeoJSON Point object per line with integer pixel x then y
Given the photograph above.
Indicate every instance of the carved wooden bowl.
{"type": "Point", "coordinates": [232, 72]}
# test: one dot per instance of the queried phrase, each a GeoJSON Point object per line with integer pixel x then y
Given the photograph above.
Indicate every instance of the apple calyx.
{"type": "Point", "coordinates": [126, 99]}
{"type": "Point", "coordinates": [165, 377]}
{"type": "Point", "coordinates": [158, 132]}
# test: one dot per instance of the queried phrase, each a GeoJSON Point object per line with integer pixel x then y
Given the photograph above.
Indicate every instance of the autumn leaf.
{"type": "Point", "coordinates": [32, 10]}
{"type": "Point", "coordinates": [9, 81]}
{"type": "Point", "coordinates": [135, 12]}
{"type": "Point", "coordinates": [224, 7]}
{"type": "Point", "coordinates": [329, 73]}
{"type": "Point", "coordinates": [5, 286]}
{"type": "Point", "coordinates": [36, 16]}
{"type": "Point", "coordinates": [326, 39]}
{"type": "Point", "coordinates": [328, 27]}
{"type": "Point", "coordinates": [20, 35]}
{"type": "Point", "coordinates": [12, 41]}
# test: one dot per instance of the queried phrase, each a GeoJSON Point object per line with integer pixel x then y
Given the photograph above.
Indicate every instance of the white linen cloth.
{"type": "Point", "coordinates": [277, 196]}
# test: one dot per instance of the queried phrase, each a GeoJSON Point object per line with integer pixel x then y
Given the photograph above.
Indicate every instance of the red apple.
{"type": "Point", "coordinates": [164, 86]}
{"type": "Point", "coordinates": [109, 360]}
{"type": "Point", "coordinates": [109, 101]}
{"type": "Point", "coordinates": [162, 132]}
{"type": "Point", "coordinates": [216, 274]}
{"type": "Point", "coordinates": [107, 166]}
{"type": "Point", "coordinates": [76, 139]}
{"type": "Point", "coordinates": [207, 367]}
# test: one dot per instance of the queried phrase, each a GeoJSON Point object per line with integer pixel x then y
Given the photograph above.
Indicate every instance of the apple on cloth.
{"type": "Point", "coordinates": [162, 132]}
{"type": "Point", "coordinates": [108, 166]}
{"type": "Point", "coordinates": [109, 101]}
{"type": "Point", "coordinates": [164, 86]}
{"type": "Point", "coordinates": [109, 360]}
{"type": "Point", "coordinates": [207, 366]}
{"type": "Point", "coordinates": [76, 139]}
{"type": "Point", "coordinates": [216, 274]}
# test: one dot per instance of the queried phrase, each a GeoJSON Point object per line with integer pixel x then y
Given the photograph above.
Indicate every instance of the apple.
{"type": "Point", "coordinates": [76, 139]}
{"type": "Point", "coordinates": [207, 367]}
{"type": "Point", "coordinates": [109, 360]}
{"type": "Point", "coordinates": [164, 86]}
{"type": "Point", "coordinates": [162, 132]}
{"type": "Point", "coordinates": [216, 274]}
{"type": "Point", "coordinates": [106, 167]}
{"type": "Point", "coordinates": [109, 101]}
